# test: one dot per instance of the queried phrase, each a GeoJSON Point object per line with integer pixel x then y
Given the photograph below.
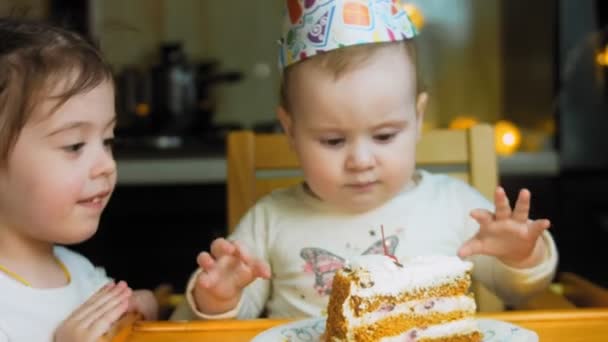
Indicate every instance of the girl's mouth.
{"type": "Point", "coordinates": [96, 201]}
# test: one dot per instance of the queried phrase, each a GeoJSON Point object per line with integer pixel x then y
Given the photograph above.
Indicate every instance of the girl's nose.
{"type": "Point", "coordinates": [105, 164]}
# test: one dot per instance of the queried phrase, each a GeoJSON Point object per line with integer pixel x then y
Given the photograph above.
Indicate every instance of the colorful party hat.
{"type": "Point", "coordinates": [314, 26]}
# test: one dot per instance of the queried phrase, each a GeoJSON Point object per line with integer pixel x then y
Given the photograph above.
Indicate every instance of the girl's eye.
{"type": "Point", "coordinates": [335, 142]}
{"type": "Point", "coordinates": [109, 143]}
{"type": "Point", "coordinates": [384, 137]}
{"type": "Point", "coordinates": [74, 147]}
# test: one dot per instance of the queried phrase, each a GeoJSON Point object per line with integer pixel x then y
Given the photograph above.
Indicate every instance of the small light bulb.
{"type": "Point", "coordinates": [508, 139]}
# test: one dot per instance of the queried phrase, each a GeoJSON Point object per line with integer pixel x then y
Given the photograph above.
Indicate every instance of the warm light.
{"type": "Point", "coordinates": [415, 15]}
{"type": "Point", "coordinates": [142, 110]}
{"type": "Point", "coordinates": [602, 57]}
{"type": "Point", "coordinates": [463, 122]}
{"type": "Point", "coordinates": [507, 137]}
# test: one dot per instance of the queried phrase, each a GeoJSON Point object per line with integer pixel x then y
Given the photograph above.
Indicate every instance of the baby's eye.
{"type": "Point", "coordinates": [73, 148]}
{"type": "Point", "coordinates": [384, 137]}
{"type": "Point", "coordinates": [333, 142]}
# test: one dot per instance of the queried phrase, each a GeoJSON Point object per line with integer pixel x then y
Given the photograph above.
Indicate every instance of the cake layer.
{"type": "Point", "coordinates": [379, 275]}
{"type": "Point", "coordinates": [362, 305]}
{"type": "Point", "coordinates": [396, 325]}
{"type": "Point", "coordinates": [422, 309]}
{"type": "Point", "coordinates": [463, 327]}
{"type": "Point", "coordinates": [464, 330]}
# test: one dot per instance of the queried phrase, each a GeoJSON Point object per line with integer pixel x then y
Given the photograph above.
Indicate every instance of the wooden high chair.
{"type": "Point", "coordinates": [260, 163]}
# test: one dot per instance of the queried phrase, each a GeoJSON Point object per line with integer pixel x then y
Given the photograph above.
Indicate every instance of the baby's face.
{"type": "Point", "coordinates": [61, 172]}
{"type": "Point", "coordinates": [356, 136]}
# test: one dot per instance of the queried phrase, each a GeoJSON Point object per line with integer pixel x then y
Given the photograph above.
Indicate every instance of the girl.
{"type": "Point", "coordinates": [57, 173]}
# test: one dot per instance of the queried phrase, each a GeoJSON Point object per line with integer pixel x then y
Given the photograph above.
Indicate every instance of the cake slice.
{"type": "Point", "coordinates": [375, 298]}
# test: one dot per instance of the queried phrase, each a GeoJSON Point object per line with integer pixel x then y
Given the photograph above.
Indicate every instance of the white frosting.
{"type": "Point", "coordinates": [417, 273]}
{"type": "Point", "coordinates": [419, 307]}
{"type": "Point", "coordinates": [460, 327]}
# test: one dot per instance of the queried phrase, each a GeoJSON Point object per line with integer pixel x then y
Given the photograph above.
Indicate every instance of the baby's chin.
{"type": "Point", "coordinates": [348, 202]}
{"type": "Point", "coordinates": [359, 207]}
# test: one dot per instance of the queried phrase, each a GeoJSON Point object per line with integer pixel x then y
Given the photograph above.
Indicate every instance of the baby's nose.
{"type": "Point", "coordinates": [360, 158]}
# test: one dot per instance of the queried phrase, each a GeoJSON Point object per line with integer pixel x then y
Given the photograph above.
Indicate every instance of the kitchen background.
{"type": "Point", "coordinates": [188, 71]}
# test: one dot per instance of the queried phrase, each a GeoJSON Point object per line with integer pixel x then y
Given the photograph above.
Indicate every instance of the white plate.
{"type": "Point", "coordinates": [310, 330]}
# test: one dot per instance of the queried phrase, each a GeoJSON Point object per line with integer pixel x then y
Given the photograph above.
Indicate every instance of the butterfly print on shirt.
{"type": "Point", "coordinates": [324, 264]}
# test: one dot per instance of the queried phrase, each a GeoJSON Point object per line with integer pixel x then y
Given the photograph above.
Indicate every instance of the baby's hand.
{"type": "Point", "coordinates": [95, 316]}
{"type": "Point", "coordinates": [508, 235]}
{"type": "Point", "coordinates": [225, 272]}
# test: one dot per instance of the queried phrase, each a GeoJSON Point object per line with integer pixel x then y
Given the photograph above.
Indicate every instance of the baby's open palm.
{"type": "Point", "coordinates": [228, 269]}
{"type": "Point", "coordinates": [506, 234]}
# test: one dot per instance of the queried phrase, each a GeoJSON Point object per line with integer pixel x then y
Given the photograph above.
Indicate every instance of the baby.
{"type": "Point", "coordinates": [353, 111]}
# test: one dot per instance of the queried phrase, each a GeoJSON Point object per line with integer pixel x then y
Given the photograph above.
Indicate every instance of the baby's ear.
{"type": "Point", "coordinates": [285, 120]}
{"type": "Point", "coordinates": [421, 103]}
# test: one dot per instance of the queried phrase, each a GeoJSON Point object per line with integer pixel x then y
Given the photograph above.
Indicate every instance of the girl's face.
{"type": "Point", "coordinates": [61, 172]}
{"type": "Point", "coordinates": [356, 136]}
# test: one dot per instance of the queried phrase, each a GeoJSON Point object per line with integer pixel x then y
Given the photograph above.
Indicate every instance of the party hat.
{"type": "Point", "coordinates": [314, 26]}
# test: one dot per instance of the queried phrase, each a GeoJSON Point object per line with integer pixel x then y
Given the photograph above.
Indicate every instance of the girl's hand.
{"type": "Point", "coordinates": [508, 235]}
{"type": "Point", "coordinates": [95, 316]}
{"type": "Point", "coordinates": [144, 302]}
{"type": "Point", "coordinates": [225, 272]}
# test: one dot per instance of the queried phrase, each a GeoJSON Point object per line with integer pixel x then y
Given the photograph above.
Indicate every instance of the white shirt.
{"type": "Point", "coordinates": [305, 242]}
{"type": "Point", "coordinates": [31, 315]}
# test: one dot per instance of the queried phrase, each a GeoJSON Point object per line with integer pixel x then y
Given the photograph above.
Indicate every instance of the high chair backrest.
{"type": "Point", "coordinates": [260, 163]}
